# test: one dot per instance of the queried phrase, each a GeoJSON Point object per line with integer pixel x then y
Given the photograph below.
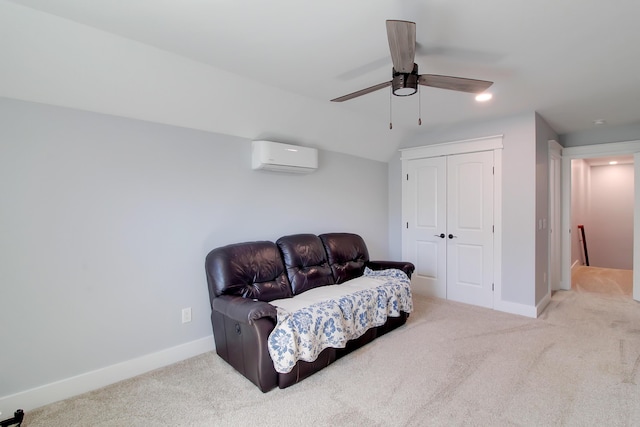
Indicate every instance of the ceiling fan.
{"type": "Point", "coordinates": [405, 77]}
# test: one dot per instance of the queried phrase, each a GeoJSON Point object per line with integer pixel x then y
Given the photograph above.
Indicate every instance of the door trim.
{"type": "Point", "coordinates": [487, 143]}
{"type": "Point", "coordinates": [554, 272]}
{"type": "Point", "coordinates": [491, 143]}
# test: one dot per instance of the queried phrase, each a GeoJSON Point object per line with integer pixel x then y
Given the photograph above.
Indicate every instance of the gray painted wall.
{"type": "Point", "coordinates": [518, 192]}
{"type": "Point", "coordinates": [602, 135]}
{"type": "Point", "coordinates": [395, 207]}
{"type": "Point", "coordinates": [106, 221]}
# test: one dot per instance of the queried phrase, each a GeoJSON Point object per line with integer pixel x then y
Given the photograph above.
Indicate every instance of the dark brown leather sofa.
{"type": "Point", "coordinates": [244, 277]}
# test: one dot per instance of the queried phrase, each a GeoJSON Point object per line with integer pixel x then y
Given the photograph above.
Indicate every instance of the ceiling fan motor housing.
{"type": "Point", "coordinates": [405, 84]}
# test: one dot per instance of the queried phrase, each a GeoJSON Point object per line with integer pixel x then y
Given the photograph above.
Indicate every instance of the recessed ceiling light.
{"type": "Point", "coordinates": [613, 162]}
{"type": "Point", "coordinates": [599, 122]}
{"type": "Point", "coordinates": [483, 97]}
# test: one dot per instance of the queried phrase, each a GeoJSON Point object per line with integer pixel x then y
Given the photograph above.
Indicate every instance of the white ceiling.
{"type": "Point", "coordinates": [572, 61]}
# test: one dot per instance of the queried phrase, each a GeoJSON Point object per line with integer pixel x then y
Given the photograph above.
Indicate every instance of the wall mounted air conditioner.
{"type": "Point", "coordinates": [275, 156]}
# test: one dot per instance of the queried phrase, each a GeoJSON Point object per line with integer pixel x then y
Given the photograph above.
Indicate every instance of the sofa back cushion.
{"type": "Point", "coordinates": [347, 255]}
{"type": "Point", "coordinates": [306, 262]}
{"type": "Point", "coordinates": [252, 270]}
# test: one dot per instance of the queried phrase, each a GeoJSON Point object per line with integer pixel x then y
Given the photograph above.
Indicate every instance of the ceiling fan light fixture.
{"type": "Point", "coordinates": [484, 97]}
{"type": "Point", "coordinates": [404, 84]}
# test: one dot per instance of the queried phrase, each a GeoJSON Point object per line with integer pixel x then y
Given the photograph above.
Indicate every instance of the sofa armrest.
{"type": "Point", "coordinates": [241, 327]}
{"type": "Point", "coordinates": [244, 310]}
{"type": "Point", "coordinates": [407, 267]}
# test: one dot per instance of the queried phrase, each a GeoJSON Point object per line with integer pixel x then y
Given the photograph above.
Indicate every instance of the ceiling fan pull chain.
{"type": "Point", "coordinates": [419, 107]}
{"type": "Point", "coordinates": [390, 110]}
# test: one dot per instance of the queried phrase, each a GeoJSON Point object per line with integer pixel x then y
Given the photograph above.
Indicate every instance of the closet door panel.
{"type": "Point", "coordinates": [470, 228]}
{"type": "Point", "coordinates": [425, 223]}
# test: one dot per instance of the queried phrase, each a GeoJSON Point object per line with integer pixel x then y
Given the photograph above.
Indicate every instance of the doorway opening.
{"type": "Point", "coordinates": [569, 234]}
{"type": "Point", "coordinates": [602, 212]}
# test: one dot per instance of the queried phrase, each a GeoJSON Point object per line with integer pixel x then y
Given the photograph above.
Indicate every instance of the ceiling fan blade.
{"type": "Point", "coordinates": [402, 44]}
{"type": "Point", "coordinates": [362, 92]}
{"type": "Point", "coordinates": [454, 83]}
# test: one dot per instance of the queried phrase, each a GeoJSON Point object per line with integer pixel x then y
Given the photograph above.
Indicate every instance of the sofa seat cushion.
{"type": "Point", "coordinates": [330, 316]}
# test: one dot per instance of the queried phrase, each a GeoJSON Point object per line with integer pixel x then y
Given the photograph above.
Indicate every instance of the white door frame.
{"type": "Point", "coordinates": [491, 143]}
{"type": "Point", "coordinates": [555, 216]}
{"type": "Point", "coordinates": [599, 150]}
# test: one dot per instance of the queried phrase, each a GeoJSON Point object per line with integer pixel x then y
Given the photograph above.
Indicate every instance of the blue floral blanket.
{"type": "Point", "coordinates": [329, 316]}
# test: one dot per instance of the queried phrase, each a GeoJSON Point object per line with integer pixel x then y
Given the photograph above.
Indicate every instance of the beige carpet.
{"type": "Point", "coordinates": [609, 281]}
{"type": "Point", "coordinates": [451, 365]}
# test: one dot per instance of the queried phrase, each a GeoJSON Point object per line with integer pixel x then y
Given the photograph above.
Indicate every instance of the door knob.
{"type": "Point", "coordinates": [441, 235]}
{"type": "Point", "coordinates": [451, 236]}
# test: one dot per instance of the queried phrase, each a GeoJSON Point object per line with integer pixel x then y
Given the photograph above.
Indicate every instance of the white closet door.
{"type": "Point", "coordinates": [426, 222]}
{"type": "Point", "coordinates": [470, 228]}
{"type": "Point", "coordinates": [449, 226]}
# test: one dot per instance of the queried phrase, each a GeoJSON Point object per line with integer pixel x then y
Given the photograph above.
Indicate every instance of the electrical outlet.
{"type": "Point", "coordinates": [186, 315]}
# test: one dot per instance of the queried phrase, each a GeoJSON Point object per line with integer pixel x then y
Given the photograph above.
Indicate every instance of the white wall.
{"type": "Point", "coordinates": [106, 221]}
{"type": "Point", "coordinates": [610, 225]}
{"type": "Point", "coordinates": [518, 192]}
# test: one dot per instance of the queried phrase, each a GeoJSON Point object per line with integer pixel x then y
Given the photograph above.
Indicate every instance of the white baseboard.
{"type": "Point", "coordinates": [516, 308]}
{"type": "Point", "coordinates": [523, 309]}
{"type": "Point", "coordinates": [63, 389]}
{"type": "Point", "coordinates": [543, 304]}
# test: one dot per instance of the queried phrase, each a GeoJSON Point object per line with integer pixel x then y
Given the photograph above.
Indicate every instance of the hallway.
{"type": "Point", "coordinates": [610, 281]}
